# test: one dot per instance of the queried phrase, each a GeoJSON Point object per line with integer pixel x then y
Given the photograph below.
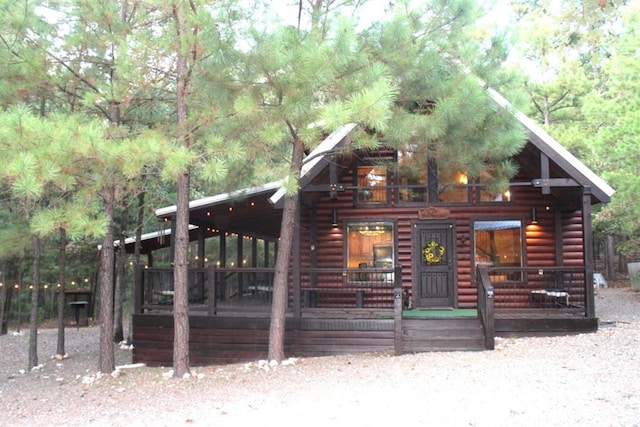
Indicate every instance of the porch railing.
{"type": "Point", "coordinates": [486, 307]}
{"type": "Point", "coordinates": [348, 288]}
{"type": "Point", "coordinates": [154, 290]}
{"type": "Point", "coordinates": [210, 289]}
{"type": "Point", "coordinates": [539, 287]}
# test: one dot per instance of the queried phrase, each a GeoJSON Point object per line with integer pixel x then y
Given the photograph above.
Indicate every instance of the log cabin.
{"type": "Point", "coordinates": [383, 259]}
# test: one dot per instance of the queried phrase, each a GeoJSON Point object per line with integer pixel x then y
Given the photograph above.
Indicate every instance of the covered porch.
{"type": "Point", "coordinates": [230, 313]}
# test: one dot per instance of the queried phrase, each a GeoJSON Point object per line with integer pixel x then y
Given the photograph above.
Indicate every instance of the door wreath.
{"type": "Point", "coordinates": [433, 252]}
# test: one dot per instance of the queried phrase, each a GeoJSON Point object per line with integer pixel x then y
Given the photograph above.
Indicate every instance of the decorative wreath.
{"type": "Point", "coordinates": [433, 252]}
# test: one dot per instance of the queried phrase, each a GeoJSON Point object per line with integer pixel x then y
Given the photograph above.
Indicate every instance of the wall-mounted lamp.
{"type": "Point", "coordinates": [334, 218]}
{"type": "Point", "coordinates": [534, 215]}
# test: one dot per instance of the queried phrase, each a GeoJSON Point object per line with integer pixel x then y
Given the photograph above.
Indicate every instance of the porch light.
{"type": "Point", "coordinates": [534, 215]}
{"type": "Point", "coordinates": [334, 218]}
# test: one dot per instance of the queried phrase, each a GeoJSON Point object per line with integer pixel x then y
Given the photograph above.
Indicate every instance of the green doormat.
{"type": "Point", "coordinates": [459, 312]}
{"type": "Point", "coordinates": [456, 312]}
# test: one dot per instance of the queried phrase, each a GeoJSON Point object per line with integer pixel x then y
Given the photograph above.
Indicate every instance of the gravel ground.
{"type": "Point", "coordinates": [587, 379]}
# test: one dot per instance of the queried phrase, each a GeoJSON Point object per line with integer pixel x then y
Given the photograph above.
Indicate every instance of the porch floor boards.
{"type": "Point", "coordinates": [539, 313]}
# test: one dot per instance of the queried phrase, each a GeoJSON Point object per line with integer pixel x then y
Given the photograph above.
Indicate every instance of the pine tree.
{"type": "Point", "coordinates": [301, 82]}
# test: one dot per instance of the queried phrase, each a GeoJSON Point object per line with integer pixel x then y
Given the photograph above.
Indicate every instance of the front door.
{"type": "Point", "coordinates": [433, 257]}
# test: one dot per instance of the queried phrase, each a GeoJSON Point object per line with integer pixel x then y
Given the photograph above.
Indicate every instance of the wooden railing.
{"type": "Point", "coordinates": [539, 287]}
{"type": "Point", "coordinates": [348, 288]}
{"type": "Point", "coordinates": [153, 289]}
{"type": "Point", "coordinates": [210, 289]}
{"type": "Point", "coordinates": [486, 307]}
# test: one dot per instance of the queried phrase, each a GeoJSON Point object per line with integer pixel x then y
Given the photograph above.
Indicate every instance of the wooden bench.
{"type": "Point", "coordinates": [550, 298]}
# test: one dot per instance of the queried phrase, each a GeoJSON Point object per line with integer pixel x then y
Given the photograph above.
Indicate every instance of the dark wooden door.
{"type": "Point", "coordinates": [433, 257]}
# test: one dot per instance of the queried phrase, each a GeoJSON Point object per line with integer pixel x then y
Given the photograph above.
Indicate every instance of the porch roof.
{"type": "Point", "coordinates": [153, 240]}
{"type": "Point", "coordinates": [253, 215]}
{"type": "Point", "coordinates": [255, 210]}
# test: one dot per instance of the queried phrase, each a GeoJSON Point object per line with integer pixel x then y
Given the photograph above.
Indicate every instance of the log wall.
{"type": "Point", "coordinates": [540, 247]}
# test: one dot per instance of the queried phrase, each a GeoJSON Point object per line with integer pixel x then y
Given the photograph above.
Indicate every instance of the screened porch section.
{"type": "Point", "coordinates": [215, 289]}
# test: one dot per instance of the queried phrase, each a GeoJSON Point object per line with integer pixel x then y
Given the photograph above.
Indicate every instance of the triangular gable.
{"type": "Point", "coordinates": [552, 148]}
{"type": "Point", "coordinates": [537, 136]}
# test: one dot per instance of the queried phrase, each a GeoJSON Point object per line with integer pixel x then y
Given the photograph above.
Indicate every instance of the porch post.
{"type": "Point", "coordinates": [172, 239]}
{"type": "Point", "coordinates": [397, 310]}
{"type": "Point", "coordinates": [313, 222]}
{"type": "Point", "coordinates": [137, 288]}
{"type": "Point", "coordinates": [223, 249]}
{"type": "Point", "coordinates": [211, 290]}
{"type": "Point", "coordinates": [588, 252]}
{"type": "Point", "coordinates": [201, 251]}
{"type": "Point", "coordinates": [240, 262]}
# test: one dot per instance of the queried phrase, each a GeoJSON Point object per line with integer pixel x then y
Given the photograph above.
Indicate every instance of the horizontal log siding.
{"type": "Point", "coordinates": [573, 253]}
{"type": "Point", "coordinates": [539, 251]}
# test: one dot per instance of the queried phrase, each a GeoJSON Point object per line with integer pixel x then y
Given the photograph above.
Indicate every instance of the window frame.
{"type": "Point", "coordinates": [360, 202]}
{"type": "Point", "coordinates": [371, 222]}
{"type": "Point", "coordinates": [523, 244]}
{"type": "Point", "coordinates": [432, 176]}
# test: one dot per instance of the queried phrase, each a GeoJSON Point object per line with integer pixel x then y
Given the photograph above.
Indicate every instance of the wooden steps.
{"type": "Point", "coordinates": [441, 334]}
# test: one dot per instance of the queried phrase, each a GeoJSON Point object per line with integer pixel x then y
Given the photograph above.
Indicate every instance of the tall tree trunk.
{"type": "Point", "coordinates": [33, 318]}
{"type": "Point", "coordinates": [121, 259]}
{"type": "Point", "coordinates": [4, 284]}
{"type": "Point", "coordinates": [106, 363]}
{"type": "Point", "coordinates": [610, 257]}
{"type": "Point", "coordinates": [62, 263]}
{"type": "Point", "coordinates": [283, 258]}
{"type": "Point", "coordinates": [180, 280]}
{"type": "Point", "coordinates": [181, 241]}
{"type": "Point", "coordinates": [19, 296]}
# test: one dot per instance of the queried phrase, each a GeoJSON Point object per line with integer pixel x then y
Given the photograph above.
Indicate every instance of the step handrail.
{"type": "Point", "coordinates": [486, 307]}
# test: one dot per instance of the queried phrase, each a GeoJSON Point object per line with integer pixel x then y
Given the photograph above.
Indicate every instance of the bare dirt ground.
{"type": "Point", "coordinates": [588, 380]}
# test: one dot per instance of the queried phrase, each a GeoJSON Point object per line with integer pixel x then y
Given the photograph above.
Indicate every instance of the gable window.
{"type": "Point", "coordinates": [370, 245]}
{"type": "Point", "coordinates": [372, 185]}
{"type": "Point", "coordinates": [489, 193]}
{"type": "Point", "coordinates": [498, 244]}
{"type": "Point", "coordinates": [422, 180]}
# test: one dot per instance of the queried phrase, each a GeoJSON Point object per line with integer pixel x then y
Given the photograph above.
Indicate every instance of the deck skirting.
{"type": "Point", "coordinates": [225, 339]}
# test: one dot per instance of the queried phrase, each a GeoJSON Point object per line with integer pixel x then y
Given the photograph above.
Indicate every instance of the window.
{"type": "Point", "coordinates": [370, 245]}
{"type": "Point", "coordinates": [412, 177]}
{"type": "Point", "coordinates": [372, 185]}
{"type": "Point", "coordinates": [421, 180]}
{"type": "Point", "coordinates": [498, 244]}
{"type": "Point", "coordinates": [489, 193]}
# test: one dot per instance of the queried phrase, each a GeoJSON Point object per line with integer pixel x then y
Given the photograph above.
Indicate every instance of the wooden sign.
{"type": "Point", "coordinates": [433, 213]}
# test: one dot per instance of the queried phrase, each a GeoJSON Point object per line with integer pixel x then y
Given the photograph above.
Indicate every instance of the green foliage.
{"type": "Point", "coordinates": [614, 113]}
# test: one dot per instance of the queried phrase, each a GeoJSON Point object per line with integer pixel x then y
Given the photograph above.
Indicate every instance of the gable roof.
{"type": "Point", "coordinates": [319, 158]}
{"type": "Point", "coordinates": [536, 135]}
{"type": "Point", "coordinates": [552, 148]}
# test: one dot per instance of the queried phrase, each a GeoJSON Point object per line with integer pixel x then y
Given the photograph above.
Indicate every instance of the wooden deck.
{"type": "Point", "coordinates": [555, 321]}
{"type": "Point", "coordinates": [242, 335]}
